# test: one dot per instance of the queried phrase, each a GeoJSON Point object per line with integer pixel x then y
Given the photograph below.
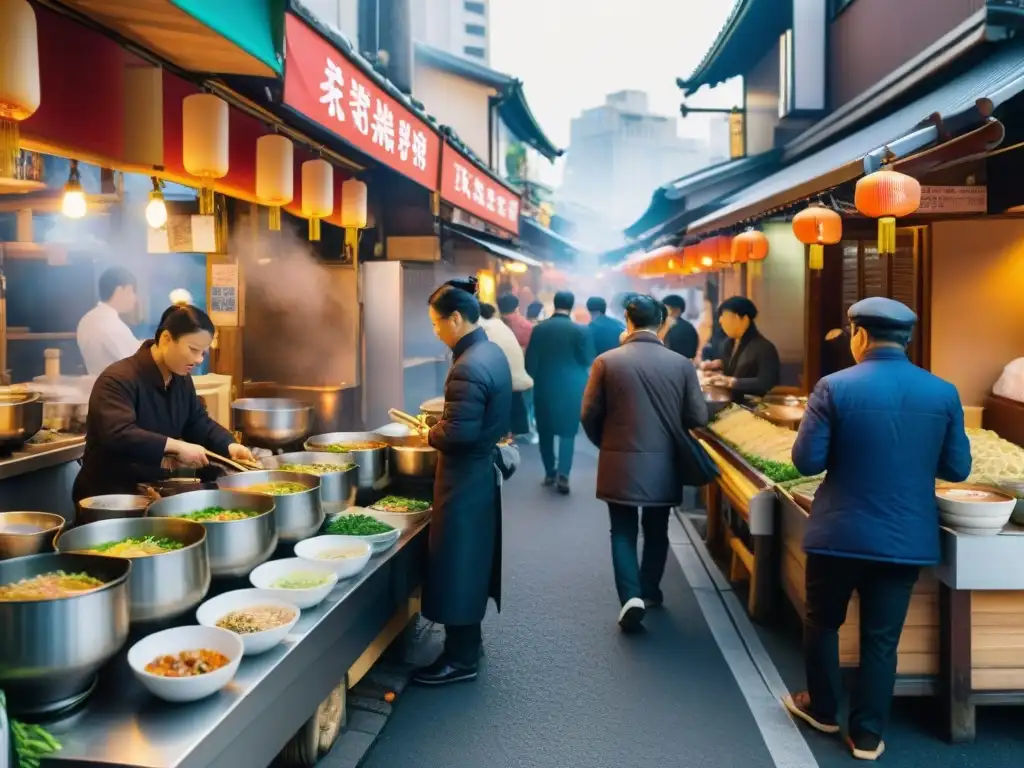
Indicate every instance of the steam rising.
{"type": "Point", "coordinates": [301, 317]}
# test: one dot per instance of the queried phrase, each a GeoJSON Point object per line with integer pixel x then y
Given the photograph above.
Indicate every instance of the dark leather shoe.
{"type": "Point", "coordinates": [549, 482]}
{"type": "Point", "coordinates": [443, 672]}
{"type": "Point", "coordinates": [563, 485]}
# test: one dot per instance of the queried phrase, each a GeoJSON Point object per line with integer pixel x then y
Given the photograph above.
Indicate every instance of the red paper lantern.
{"type": "Point", "coordinates": [751, 245]}
{"type": "Point", "coordinates": [887, 195]}
{"type": "Point", "coordinates": [818, 226]}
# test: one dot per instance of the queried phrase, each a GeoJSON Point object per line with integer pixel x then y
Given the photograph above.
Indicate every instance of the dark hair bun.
{"type": "Point", "coordinates": [467, 284]}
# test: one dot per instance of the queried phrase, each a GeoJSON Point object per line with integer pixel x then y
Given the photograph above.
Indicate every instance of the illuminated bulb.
{"type": "Point", "coordinates": [156, 211]}
{"type": "Point", "coordinates": [707, 261]}
{"type": "Point", "coordinates": [73, 206]}
{"type": "Point", "coordinates": [180, 296]}
{"type": "Point", "coordinates": [695, 270]}
{"type": "Point", "coordinates": [516, 267]}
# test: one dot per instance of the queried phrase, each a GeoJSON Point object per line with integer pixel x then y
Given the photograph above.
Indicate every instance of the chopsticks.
{"type": "Point", "coordinates": [231, 463]}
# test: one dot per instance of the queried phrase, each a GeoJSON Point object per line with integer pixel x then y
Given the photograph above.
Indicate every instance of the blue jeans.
{"type": "Point", "coordinates": [566, 448]}
{"type": "Point", "coordinates": [634, 578]}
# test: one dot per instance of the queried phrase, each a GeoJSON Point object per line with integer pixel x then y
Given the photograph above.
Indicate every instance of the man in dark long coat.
{"type": "Point", "coordinates": [558, 359]}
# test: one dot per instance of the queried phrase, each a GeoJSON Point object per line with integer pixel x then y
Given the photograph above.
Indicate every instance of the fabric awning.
{"type": "Point", "coordinates": [494, 247]}
{"type": "Point", "coordinates": [241, 37]}
{"type": "Point", "coordinates": [963, 103]}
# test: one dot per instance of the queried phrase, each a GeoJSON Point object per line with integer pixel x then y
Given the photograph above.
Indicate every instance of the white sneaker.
{"type": "Point", "coordinates": [632, 614]}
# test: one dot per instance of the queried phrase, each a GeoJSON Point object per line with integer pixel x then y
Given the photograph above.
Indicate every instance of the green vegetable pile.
{"type": "Point", "coordinates": [776, 471]}
{"type": "Point", "coordinates": [31, 742]}
{"type": "Point", "coordinates": [401, 505]}
{"type": "Point", "coordinates": [168, 545]}
{"type": "Point", "coordinates": [356, 525]}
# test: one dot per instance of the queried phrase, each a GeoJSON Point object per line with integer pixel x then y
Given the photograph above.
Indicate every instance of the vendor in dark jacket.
{"type": "Point", "coordinates": [464, 557]}
{"type": "Point", "coordinates": [604, 330]}
{"type": "Point", "coordinates": [640, 400]}
{"type": "Point", "coordinates": [681, 337]}
{"type": "Point", "coordinates": [145, 416]}
{"type": "Point", "coordinates": [750, 363]}
{"type": "Point", "coordinates": [884, 430]}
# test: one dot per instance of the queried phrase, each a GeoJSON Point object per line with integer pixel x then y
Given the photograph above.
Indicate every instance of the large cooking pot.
{"type": "Point", "coordinates": [28, 533]}
{"type": "Point", "coordinates": [272, 422]}
{"type": "Point", "coordinates": [373, 462]}
{"type": "Point", "coordinates": [110, 507]}
{"type": "Point", "coordinates": [52, 649]}
{"type": "Point", "coordinates": [161, 586]}
{"type": "Point", "coordinates": [236, 546]}
{"type": "Point", "coordinates": [299, 515]}
{"type": "Point", "coordinates": [337, 488]}
{"type": "Point", "coordinates": [411, 457]}
{"type": "Point", "coordinates": [21, 416]}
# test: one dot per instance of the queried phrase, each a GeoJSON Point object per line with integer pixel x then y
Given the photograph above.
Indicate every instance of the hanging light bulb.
{"type": "Point", "coordinates": [156, 211]}
{"type": "Point", "coordinates": [74, 205]}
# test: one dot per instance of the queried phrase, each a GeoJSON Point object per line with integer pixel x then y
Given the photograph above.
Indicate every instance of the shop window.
{"type": "Point", "coordinates": [476, 30]}
{"type": "Point", "coordinates": [473, 50]}
{"type": "Point", "coordinates": [475, 7]}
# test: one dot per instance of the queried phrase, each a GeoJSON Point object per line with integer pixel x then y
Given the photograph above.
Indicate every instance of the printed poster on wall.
{"type": "Point", "coordinates": [224, 295]}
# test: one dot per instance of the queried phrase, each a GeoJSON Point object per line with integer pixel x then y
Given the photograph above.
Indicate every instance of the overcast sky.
{"type": "Point", "coordinates": [571, 53]}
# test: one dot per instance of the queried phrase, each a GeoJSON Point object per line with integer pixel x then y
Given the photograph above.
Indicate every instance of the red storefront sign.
{"type": "Point", "coordinates": [467, 187]}
{"type": "Point", "coordinates": [323, 84]}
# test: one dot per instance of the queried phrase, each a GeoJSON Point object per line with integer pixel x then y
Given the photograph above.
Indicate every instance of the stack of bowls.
{"type": "Point", "coordinates": [974, 510]}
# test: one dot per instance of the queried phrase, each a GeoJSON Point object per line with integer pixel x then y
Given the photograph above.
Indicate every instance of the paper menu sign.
{"type": "Point", "coordinates": [224, 294]}
{"type": "Point", "coordinates": [204, 234]}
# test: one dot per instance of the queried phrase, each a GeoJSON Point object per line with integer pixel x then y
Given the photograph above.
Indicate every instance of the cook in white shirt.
{"type": "Point", "coordinates": [103, 337]}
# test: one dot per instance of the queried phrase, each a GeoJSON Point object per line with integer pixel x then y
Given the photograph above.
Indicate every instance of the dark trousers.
{"type": "Point", "coordinates": [566, 449]}
{"type": "Point", "coordinates": [884, 590]}
{"type": "Point", "coordinates": [633, 577]}
{"type": "Point", "coordinates": [462, 644]}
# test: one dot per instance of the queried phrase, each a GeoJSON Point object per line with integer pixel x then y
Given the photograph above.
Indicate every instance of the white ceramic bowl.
{"type": "Point", "coordinates": [975, 510]}
{"type": "Point", "coordinates": [380, 542]}
{"type": "Point", "coordinates": [311, 549]}
{"type": "Point", "coordinates": [399, 520]}
{"type": "Point", "coordinates": [265, 575]}
{"type": "Point", "coordinates": [174, 641]}
{"type": "Point", "coordinates": [214, 610]}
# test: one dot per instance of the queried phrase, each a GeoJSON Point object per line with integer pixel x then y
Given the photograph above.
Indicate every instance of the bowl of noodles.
{"type": "Point", "coordinates": [170, 564]}
{"type": "Point", "coordinates": [70, 612]}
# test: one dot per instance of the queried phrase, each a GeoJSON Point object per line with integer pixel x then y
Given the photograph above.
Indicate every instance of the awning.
{"type": "Point", "coordinates": [494, 247]}
{"type": "Point", "coordinates": [546, 243]}
{"type": "Point", "coordinates": [697, 189]}
{"type": "Point", "coordinates": [241, 37]}
{"type": "Point", "coordinates": [964, 104]}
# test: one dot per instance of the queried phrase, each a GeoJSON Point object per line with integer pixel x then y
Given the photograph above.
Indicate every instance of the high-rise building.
{"type": "Point", "coordinates": [620, 151]}
{"type": "Point", "coordinates": [459, 27]}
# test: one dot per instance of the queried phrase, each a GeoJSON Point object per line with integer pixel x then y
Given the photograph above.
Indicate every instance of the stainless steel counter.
{"type": "Point", "coordinates": [22, 463]}
{"type": "Point", "coordinates": [271, 697]}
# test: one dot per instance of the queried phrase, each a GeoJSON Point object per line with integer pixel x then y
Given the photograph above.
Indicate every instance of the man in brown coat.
{"type": "Point", "coordinates": [640, 400]}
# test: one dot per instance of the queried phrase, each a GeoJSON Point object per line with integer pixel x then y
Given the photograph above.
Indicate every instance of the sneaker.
{"type": "Point", "coordinates": [632, 614]}
{"type": "Point", "coordinates": [549, 482]}
{"type": "Point", "coordinates": [563, 485]}
{"type": "Point", "coordinates": [866, 746]}
{"type": "Point", "coordinates": [653, 603]}
{"type": "Point", "coordinates": [799, 706]}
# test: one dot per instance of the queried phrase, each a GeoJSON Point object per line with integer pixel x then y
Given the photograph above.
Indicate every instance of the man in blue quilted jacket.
{"type": "Point", "coordinates": [884, 430]}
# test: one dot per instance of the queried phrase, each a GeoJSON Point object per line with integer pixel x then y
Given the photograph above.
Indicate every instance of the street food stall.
{"type": "Point", "coordinates": [142, 599]}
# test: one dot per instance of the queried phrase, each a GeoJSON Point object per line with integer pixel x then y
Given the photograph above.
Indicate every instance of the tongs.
{"type": "Point", "coordinates": [240, 466]}
{"type": "Point", "coordinates": [412, 422]}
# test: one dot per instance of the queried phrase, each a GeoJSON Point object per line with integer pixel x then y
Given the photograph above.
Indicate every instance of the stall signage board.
{"type": "Point", "coordinates": [467, 187]}
{"type": "Point", "coordinates": [326, 86]}
{"type": "Point", "coordinates": [966, 199]}
{"type": "Point", "coordinates": [224, 294]}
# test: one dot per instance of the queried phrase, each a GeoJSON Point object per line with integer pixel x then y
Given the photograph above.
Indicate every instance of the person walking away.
{"type": "Point", "coordinates": [506, 340]}
{"type": "Point", "coordinates": [681, 337]}
{"type": "Point", "coordinates": [508, 306]}
{"type": "Point", "coordinates": [464, 554]}
{"type": "Point", "coordinates": [558, 359]}
{"type": "Point", "coordinates": [750, 362]}
{"type": "Point", "coordinates": [640, 401]}
{"type": "Point", "coordinates": [103, 337]}
{"type": "Point", "coordinates": [884, 430]}
{"type": "Point", "coordinates": [604, 330]}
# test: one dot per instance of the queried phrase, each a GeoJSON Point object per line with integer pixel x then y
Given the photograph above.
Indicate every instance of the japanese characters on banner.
{"type": "Point", "coordinates": [322, 83]}
{"type": "Point", "coordinates": [467, 187]}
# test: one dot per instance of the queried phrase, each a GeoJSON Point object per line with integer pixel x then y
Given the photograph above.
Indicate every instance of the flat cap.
{"type": "Point", "coordinates": [880, 312]}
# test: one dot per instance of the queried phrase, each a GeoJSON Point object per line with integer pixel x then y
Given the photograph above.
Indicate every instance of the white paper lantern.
{"type": "Point", "coordinates": [205, 143]}
{"type": "Point", "coordinates": [143, 115]}
{"type": "Point", "coordinates": [317, 194]}
{"type": "Point", "coordinates": [353, 204]}
{"type": "Point", "coordinates": [19, 77]}
{"type": "Point", "coordinates": [275, 168]}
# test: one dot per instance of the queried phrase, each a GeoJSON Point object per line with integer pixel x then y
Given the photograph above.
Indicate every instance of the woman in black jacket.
{"type": "Point", "coordinates": [464, 562]}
